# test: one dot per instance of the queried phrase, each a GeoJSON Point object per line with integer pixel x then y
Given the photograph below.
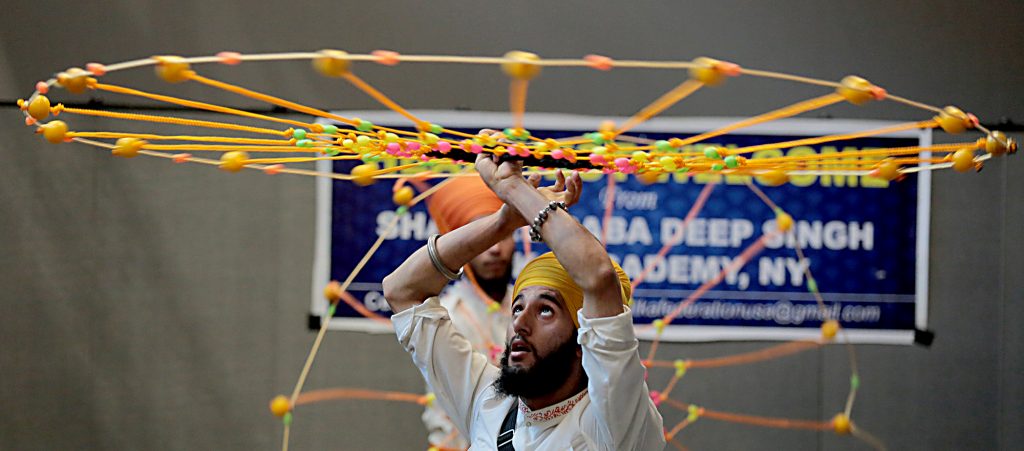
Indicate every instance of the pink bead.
{"type": "Point", "coordinates": [424, 158]}
{"type": "Point", "coordinates": [622, 162]}
{"type": "Point", "coordinates": [608, 171]}
{"type": "Point", "coordinates": [597, 159]}
{"type": "Point", "coordinates": [476, 148]}
{"type": "Point", "coordinates": [557, 154]}
{"type": "Point", "coordinates": [42, 87]}
{"type": "Point", "coordinates": [444, 146]}
{"type": "Point", "coordinates": [656, 397]}
{"type": "Point", "coordinates": [230, 58]}
{"type": "Point", "coordinates": [393, 148]}
{"type": "Point", "coordinates": [96, 69]}
{"type": "Point", "coordinates": [413, 146]}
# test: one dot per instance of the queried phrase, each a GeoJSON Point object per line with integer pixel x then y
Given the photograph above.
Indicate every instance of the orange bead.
{"type": "Point", "coordinates": [523, 67]}
{"type": "Point", "coordinates": [172, 69]}
{"type": "Point", "coordinates": [233, 161]}
{"type": "Point", "coordinates": [332, 292]}
{"type": "Point", "coordinates": [280, 405]}
{"type": "Point", "coordinates": [841, 424]}
{"type": "Point", "coordinates": [54, 131]}
{"type": "Point", "coordinates": [332, 63]}
{"type": "Point", "coordinates": [829, 329]}
{"type": "Point", "coordinates": [39, 108]}
{"type": "Point", "coordinates": [963, 160]}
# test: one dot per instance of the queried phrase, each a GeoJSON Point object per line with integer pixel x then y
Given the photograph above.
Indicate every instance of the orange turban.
{"type": "Point", "coordinates": [461, 200]}
{"type": "Point", "coordinates": [546, 271]}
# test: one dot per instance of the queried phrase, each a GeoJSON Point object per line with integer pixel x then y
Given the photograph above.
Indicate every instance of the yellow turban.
{"type": "Point", "coordinates": [546, 271]}
{"type": "Point", "coordinates": [461, 200]}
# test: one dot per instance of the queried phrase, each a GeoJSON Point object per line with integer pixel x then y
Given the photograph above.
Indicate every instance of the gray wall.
{"type": "Point", "coordinates": [152, 306]}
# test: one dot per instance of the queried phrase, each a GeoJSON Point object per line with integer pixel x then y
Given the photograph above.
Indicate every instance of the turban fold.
{"type": "Point", "coordinates": [461, 200]}
{"type": "Point", "coordinates": [546, 271]}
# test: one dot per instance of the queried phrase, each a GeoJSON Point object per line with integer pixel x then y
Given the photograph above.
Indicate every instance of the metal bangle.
{"type": "Point", "coordinates": [432, 251]}
{"type": "Point", "coordinates": [542, 216]}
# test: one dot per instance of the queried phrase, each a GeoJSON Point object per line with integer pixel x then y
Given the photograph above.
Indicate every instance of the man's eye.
{"type": "Point", "coordinates": [547, 311]}
{"type": "Point", "coordinates": [517, 309]}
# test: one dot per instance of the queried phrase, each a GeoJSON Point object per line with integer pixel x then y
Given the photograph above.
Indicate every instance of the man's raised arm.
{"type": "Point", "coordinates": [417, 279]}
{"type": "Point", "coordinates": [582, 256]}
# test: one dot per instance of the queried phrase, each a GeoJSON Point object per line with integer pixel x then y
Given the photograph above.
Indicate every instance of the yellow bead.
{"type": "Point", "coordinates": [127, 147]}
{"type": "Point", "coordinates": [659, 325]}
{"type": "Point", "coordinates": [233, 161]}
{"type": "Point", "coordinates": [172, 69]}
{"type": "Point", "coordinates": [333, 63]}
{"type": "Point", "coordinates": [279, 406]}
{"type": "Point", "coordinates": [829, 329]}
{"type": "Point", "coordinates": [403, 196]}
{"type": "Point", "coordinates": [775, 177]}
{"type": "Point", "coordinates": [706, 71]}
{"type": "Point", "coordinates": [523, 68]}
{"type": "Point", "coordinates": [997, 143]}
{"type": "Point", "coordinates": [75, 80]}
{"type": "Point", "coordinates": [39, 108]}
{"type": "Point", "coordinates": [856, 90]}
{"type": "Point", "coordinates": [783, 220]}
{"type": "Point", "coordinates": [55, 131]}
{"type": "Point", "coordinates": [363, 174]}
{"type": "Point", "coordinates": [429, 399]}
{"type": "Point", "coordinates": [841, 424]}
{"type": "Point", "coordinates": [888, 170]}
{"type": "Point", "coordinates": [953, 120]}
{"type": "Point", "coordinates": [963, 160]}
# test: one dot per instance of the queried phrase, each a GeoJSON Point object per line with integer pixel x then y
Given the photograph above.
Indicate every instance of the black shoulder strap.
{"type": "Point", "coordinates": [508, 428]}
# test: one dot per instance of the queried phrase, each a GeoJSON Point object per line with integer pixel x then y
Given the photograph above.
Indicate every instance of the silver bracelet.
{"type": "Point", "coordinates": [432, 251]}
{"type": "Point", "coordinates": [543, 216]}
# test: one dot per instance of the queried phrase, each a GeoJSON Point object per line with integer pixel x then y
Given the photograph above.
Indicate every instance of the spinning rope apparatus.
{"type": "Point", "coordinates": [608, 150]}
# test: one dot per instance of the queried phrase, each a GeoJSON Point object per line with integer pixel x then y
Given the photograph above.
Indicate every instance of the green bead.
{"type": "Point", "coordinates": [640, 156]}
{"type": "Point", "coordinates": [812, 285]}
{"type": "Point", "coordinates": [304, 143]}
{"type": "Point", "coordinates": [331, 310]}
{"type": "Point", "coordinates": [390, 137]}
{"type": "Point", "coordinates": [599, 150]}
{"type": "Point", "coordinates": [731, 161]}
{"type": "Point", "coordinates": [436, 129]}
{"type": "Point", "coordinates": [663, 146]}
{"type": "Point", "coordinates": [684, 169]}
{"type": "Point", "coordinates": [333, 151]}
{"type": "Point", "coordinates": [401, 210]}
{"type": "Point", "coordinates": [717, 167]}
{"type": "Point", "coordinates": [711, 153]}
{"type": "Point", "coordinates": [363, 140]}
{"type": "Point", "coordinates": [854, 381]}
{"type": "Point", "coordinates": [595, 137]}
{"type": "Point", "coordinates": [287, 419]}
{"type": "Point", "coordinates": [364, 126]}
{"type": "Point", "coordinates": [347, 143]}
{"type": "Point", "coordinates": [330, 129]}
{"type": "Point", "coordinates": [299, 134]}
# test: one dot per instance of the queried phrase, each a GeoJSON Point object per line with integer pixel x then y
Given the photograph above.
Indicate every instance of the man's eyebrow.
{"type": "Point", "coordinates": [548, 296]}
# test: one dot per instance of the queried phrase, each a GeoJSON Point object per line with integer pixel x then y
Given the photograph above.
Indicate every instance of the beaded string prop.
{"type": "Point", "coordinates": [279, 146]}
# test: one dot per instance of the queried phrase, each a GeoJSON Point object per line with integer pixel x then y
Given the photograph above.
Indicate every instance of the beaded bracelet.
{"type": "Point", "coordinates": [543, 216]}
{"type": "Point", "coordinates": [432, 251]}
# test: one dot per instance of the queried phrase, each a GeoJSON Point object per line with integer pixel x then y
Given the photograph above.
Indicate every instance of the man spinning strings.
{"type": "Point", "coordinates": [570, 376]}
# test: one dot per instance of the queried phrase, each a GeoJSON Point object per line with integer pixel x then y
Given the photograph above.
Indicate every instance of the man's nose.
{"type": "Point", "coordinates": [521, 324]}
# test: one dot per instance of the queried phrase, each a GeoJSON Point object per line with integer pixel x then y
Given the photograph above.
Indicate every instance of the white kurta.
{"type": "Point", "coordinates": [614, 413]}
{"type": "Point", "coordinates": [483, 329]}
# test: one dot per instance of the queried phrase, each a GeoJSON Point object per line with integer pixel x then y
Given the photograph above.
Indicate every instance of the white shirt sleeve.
{"type": "Point", "coordinates": [625, 417]}
{"type": "Point", "coordinates": [446, 359]}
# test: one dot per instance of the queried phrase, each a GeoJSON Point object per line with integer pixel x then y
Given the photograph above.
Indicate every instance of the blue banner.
{"type": "Point", "coordinates": [859, 237]}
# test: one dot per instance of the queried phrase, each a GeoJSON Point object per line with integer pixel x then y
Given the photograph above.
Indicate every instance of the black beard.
{"type": "Point", "coordinates": [496, 287]}
{"type": "Point", "coordinates": [547, 374]}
